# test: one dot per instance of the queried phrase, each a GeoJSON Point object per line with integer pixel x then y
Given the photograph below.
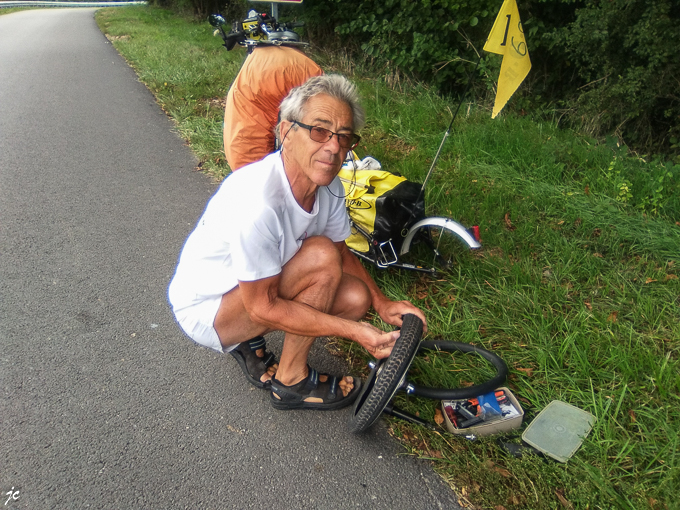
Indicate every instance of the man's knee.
{"type": "Point", "coordinates": [352, 300]}
{"type": "Point", "coordinates": [359, 298]}
{"type": "Point", "coordinates": [317, 265]}
{"type": "Point", "coordinates": [321, 255]}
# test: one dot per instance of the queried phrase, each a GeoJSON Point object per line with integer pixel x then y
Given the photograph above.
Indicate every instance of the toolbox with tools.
{"type": "Point", "coordinates": [495, 412]}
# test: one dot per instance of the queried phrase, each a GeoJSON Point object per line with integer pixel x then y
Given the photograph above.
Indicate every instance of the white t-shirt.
{"type": "Point", "coordinates": [251, 227]}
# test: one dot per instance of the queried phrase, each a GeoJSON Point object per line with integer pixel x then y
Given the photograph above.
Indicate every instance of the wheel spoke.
{"type": "Point", "coordinates": [435, 246]}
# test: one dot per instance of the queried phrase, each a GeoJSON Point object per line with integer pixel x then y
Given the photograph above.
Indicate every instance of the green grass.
{"type": "Point", "coordinates": [576, 286]}
{"type": "Point", "coordinates": [9, 10]}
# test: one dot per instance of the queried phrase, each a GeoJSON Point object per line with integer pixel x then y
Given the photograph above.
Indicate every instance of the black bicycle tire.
{"type": "Point", "coordinates": [470, 391]}
{"type": "Point", "coordinates": [388, 374]}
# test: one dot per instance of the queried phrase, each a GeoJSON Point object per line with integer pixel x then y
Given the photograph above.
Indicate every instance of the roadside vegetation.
{"type": "Point", "coordinates": [603, 66]}
{"type": "Point", "coordinates": [9, 10]}
{"type": "Point", "coordinates": [576, 286]}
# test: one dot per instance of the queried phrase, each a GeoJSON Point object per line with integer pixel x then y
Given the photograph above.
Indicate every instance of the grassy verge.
{"type": "Point", "coordinates": [9, 10]}
{"type": "Point", "coordinates": [576, 287]}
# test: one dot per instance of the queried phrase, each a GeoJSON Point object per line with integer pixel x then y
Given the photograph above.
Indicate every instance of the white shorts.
{"type": "Point", "coordinates": [198, 320]}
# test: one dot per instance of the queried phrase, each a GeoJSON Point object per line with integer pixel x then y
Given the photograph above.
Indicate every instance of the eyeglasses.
{"type": "Point", "coordinates": [322, 135]}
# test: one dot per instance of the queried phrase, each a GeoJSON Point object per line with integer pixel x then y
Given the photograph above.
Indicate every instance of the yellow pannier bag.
{"type": "Point", "coordinates": [382, 204]}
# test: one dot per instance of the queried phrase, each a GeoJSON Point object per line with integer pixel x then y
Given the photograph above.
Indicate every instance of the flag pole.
{"type": "Point", "coordinates": [448, 132]}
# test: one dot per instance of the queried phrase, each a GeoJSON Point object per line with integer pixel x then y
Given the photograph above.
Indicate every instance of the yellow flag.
{"type": "Point", "coordinates": [507, 38]}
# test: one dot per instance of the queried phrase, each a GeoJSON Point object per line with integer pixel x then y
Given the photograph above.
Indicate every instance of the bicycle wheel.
{"type": "Point", "coordinates": [434, 242]}
{"type": "Point", "coordinates": [470, 391]}
{"type": "Point", "coordinates": [386, 377]}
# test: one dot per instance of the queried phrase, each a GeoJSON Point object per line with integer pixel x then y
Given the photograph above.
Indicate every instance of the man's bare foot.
{"type": "Point", "coordinates": [346, 384]}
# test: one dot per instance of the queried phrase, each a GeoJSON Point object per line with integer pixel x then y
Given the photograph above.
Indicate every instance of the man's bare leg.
{"type": "Point", "coordinates": [352, 303]}
{"type": "Point", "coordinates": [328, 290]}
{"type": "Point", "coordinates": [347, 298]}
{"type": "Point", "coordinates": [314, 277]}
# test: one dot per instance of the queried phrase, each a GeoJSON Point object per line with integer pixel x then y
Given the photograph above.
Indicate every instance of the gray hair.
{"type": "Point", "coordinates": [334, 85]}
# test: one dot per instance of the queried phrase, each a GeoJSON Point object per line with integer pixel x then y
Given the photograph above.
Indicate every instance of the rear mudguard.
{"type": "Point", "coordinates": [445, 223]}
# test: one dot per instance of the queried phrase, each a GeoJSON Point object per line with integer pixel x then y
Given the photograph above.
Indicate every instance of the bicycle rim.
{"type": "Point", "coordinates": [386, 378]}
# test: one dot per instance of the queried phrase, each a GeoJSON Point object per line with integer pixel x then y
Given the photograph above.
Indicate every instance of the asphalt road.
{"type": "Point", "coordinates": [103, 402]}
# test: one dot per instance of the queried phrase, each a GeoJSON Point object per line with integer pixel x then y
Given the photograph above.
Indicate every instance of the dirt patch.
{"type": "Point", "coordinates": [117, 37]}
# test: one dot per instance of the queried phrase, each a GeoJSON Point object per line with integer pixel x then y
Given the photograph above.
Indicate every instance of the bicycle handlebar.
{"type": "Point", "coordinates": [266, 25]}
{"type": "Point", "coordinates": [234, 37]}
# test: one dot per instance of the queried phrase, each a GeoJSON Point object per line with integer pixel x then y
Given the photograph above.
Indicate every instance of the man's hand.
{"type": "Point", "coordinates": [389, 311]}
{"type": "Point", "coordinates": [378, 343]}
{"type": "Point", "coordinates": [392, 312]}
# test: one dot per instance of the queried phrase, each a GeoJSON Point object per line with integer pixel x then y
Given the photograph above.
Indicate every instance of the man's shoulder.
{"type": "Point", "coordinates": [257, 170]}
{"type": "Point", "coordinates": [258, 182]}
{"type": "Point", "coordinates": [336, 189]}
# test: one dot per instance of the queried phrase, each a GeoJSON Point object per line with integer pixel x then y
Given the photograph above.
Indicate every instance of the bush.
{"type": "Point", "coordinates": [202, 8]}
{"type": "Point", "coordinates": [628, 69]}
{"type": "Point", "coordinates": [438, 41]}
{"type": "Point", "coordinates": [610, 64]}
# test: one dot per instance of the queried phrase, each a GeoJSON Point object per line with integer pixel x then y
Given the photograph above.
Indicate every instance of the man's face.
{"type": "Point", "coordinates": [319, 162]}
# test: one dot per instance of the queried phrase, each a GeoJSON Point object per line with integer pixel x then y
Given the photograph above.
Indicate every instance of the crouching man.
{"type": "Point", "coordinates": [269, 254]}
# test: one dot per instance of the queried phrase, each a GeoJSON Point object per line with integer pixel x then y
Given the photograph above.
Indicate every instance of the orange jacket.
{"type": "Point", "coordinates": [252, 108]}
